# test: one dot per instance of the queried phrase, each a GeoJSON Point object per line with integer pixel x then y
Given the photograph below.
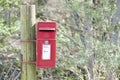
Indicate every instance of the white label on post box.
{"type": "Point", "coordinates": [46, 52]}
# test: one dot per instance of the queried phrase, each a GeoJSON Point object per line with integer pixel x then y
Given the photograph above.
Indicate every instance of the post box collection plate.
{"type": "Point", "coordinates": [46, 45]}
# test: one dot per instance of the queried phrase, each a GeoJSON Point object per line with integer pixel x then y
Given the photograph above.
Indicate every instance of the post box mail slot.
{"type": "Point", "coordinates": [46, 29]}
{"type": "Point", "coordinates": [46, 45]}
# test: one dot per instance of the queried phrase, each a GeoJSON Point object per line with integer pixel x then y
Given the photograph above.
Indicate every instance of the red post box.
{"type": "Point", "coordinates": [46, 45]}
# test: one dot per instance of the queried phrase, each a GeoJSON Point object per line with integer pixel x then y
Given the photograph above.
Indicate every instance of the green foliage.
{"type": "Point", "coordinates": [7, 20]}
{"type": "Point", "coordinates": [72, 36]}
{"type": "Point", "coordinates": [9, 25]}
{"type": "Point", "coordinates": [71, 49]}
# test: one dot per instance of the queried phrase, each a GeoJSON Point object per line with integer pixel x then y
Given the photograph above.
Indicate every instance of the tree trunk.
{"type": "Point", "coordinates": [28, 49]}
{"type": "Point", "coordinates": [89, 43]}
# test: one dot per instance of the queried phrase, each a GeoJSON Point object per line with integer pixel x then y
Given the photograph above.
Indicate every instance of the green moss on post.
{"type": "Point", "coordinates": [28, 49]}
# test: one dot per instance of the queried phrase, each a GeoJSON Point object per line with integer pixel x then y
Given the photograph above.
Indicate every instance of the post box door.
{"type": "Point", "coordinates": [46, 45]}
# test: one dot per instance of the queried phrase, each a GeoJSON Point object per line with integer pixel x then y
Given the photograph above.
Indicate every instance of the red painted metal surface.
{"type": "Point", "coordinates": [46, 45]}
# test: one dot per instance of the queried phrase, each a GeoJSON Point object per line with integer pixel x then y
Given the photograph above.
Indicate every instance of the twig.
{"type": "Point", "coordinates": [17, 76]}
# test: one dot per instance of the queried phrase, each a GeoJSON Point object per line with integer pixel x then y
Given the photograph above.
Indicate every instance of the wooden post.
{"type": "Point", "coordinates": [28, 49]}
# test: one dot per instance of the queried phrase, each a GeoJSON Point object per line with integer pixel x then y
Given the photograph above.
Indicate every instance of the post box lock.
{"type": "Point", "coordinates": [46, 41]}
{"type": "Point", "coordinates": [46, 45]}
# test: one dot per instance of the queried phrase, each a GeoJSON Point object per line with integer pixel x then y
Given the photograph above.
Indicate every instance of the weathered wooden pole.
{"type": "Point", "coordinates": [28, 49]}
